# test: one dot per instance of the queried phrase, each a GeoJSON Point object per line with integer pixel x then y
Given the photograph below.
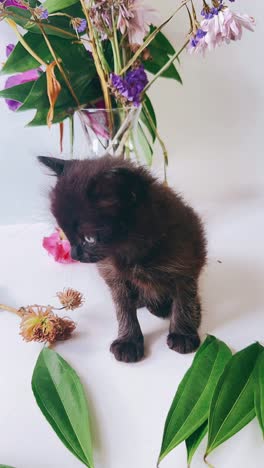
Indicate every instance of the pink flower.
{"type": "Point", "coordinates": [58, 246]}
{"type": "Point", "coordinates": [225, 27]}
{"type": "Point", "coordinates": [135, 18]}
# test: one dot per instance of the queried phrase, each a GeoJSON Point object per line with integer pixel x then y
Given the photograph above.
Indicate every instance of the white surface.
{"type": "Point", "coordinates": [214, 129]}
{"type": "Point", "coordinates": [128, 403]}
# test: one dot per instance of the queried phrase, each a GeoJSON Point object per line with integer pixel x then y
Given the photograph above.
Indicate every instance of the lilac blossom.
{"type": "Point", "coordinates": [129, 89]}
{"type": "Point", "coordinates": [220, 25]}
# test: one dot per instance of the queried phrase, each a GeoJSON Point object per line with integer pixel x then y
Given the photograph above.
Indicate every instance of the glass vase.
{"type": "Point", "coordinates": [111, 132]}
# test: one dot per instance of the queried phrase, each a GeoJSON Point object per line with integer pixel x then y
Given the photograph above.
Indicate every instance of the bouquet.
{"type": "Point", "coordinates": [73, 56]}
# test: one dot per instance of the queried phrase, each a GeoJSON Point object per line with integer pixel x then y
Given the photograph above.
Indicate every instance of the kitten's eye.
{"type": "Point", "coordinates": [90, 240]}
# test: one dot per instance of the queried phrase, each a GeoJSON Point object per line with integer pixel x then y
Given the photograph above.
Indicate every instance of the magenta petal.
{"type": "Point", "coordinates": [59, 248]}
{"type": "Point", "coordinates": [14, 3]}
{"type": "Point", "coordinates": [15, 80]}
{"type": "Point", "coordinates": [9, 49]}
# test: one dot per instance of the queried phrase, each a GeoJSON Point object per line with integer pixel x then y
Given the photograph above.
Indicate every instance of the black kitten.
{"type": "Point", "coordinates": [149, 245]}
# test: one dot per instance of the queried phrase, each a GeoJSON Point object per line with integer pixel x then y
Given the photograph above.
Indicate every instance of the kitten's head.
{"type": "Point", "coordinates": [94, 202]}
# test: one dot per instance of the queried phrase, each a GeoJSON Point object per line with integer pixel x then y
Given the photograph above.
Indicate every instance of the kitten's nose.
{"type": "Point", "coordinates": [76, 252]}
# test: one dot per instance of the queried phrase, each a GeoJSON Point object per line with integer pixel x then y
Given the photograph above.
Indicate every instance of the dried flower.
{"type": "Point", "coordinates": [58, 246]}
{"type": "Point", "coordinates": [41, 324]}
{"type": "Point", "coordinates": [129, 89]}
{"type": "Point", "coordinates": [70, 299]}
{"type": "Point", "coordinates": [53, 90]}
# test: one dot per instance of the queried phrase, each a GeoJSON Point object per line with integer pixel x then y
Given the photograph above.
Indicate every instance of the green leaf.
{"type": "Point", "coordinates": [61, 398]}
{"type": "Point", "coordinates": [158, 60]}
{"type": "Point", "coordinates": [161, 42]}
{"type": "Point", "coordinates": [144, 117]}
{"type": "Point", "coordinates": [193, 442]}
{"type": "Point", "coordinates": [58, 5]}
{"type": "Point", "coordinates": [190, 407]}
{"type": "Point", "coordinates": [18, 93]}
{"type": "Point", "coordinates": [80, 70]}
{"type": "Point", "coordinates": [55, 25]}
{"type": "Point", "coordinates": [145, 145]}
{"type": "Point", "coordinates": [20, 60]}
{"type": "Point", "coordinates": [232, 405]}
{"type": "Point", "coordinates": [259, 391]}
{"type": "Point", "coordinates": [6, 466]}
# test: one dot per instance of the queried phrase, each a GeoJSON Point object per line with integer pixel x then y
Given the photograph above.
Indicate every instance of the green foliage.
{"type": "Point", "coordinates": [232, 405]}
{"type": "Point", "coordinates": [259, 391]}
{"type": "Point", "coordinates": [194, 440]}
{"type": "Point", "coordinates": [61, 398]}
{"type": "Point", "coordinates": [190, 407]}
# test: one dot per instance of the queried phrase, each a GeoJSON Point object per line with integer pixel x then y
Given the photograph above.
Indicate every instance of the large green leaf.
{"type": "Point", "coordinates": [61, 398]}
{"type": "Point", "coordinates": [20, 60]}
{"type": "Point", "coordinates": [190, 407]}
{"type": "Point", "coordinates": [58, 5]}
{"type": "Point", "coordinates": [232, 405]}
{"type": "Point", "coordinates": [18, 93]}
{"type": "Point", "coordinates": [79, 68]}
{"type": "Point", "coordinates": [259, 391]}
{"type": "Point", "coordinates": [161, 42]}
{"type": "Point", "coordinates": [193, 442]}
{"type": "Point", "coordinates": [158, 59]}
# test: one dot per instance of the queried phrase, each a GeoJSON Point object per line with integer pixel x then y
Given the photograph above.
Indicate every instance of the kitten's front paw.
{"type": "Point", "coordinates": [127, 350]}
{"type": "Point", "coordinates": [183, 343]}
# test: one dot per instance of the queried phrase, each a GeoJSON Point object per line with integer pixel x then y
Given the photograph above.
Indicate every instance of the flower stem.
{"type": "Point", "coordinates": [47, 25]}
{"type": "Point", "coordinates": [150, 38]}
{"type": "Point", "coordinates": [13, 25]}
{"type": "Point", "coordinates": [96, 58]}
{"type": "Point", "coordinates": [207, 462]}
{"type": "Point", "coordinates": [165, 67]}
{"type": "Point", "coordinates": [10, 309]}
{"type": "Point", "coordinates": [115, 47]}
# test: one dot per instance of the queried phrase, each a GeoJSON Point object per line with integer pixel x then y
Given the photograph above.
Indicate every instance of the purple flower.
{"type": "Point", "coordinates": [83, 26]}
{"type": "Point", "coordinates": [9, 49]}
{"type": "Point", "coordinates": [79, 24]}
{"type": "Point", "coordinates": [129, 89]}
{"type": "Point", "coordinates": [15, 80]}
{"type": "Point", "coordinates": [194, 41]}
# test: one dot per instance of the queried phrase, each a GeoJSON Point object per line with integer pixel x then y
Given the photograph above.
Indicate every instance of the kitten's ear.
{"type": "Point", "coordinates": [119, 185]}
{"type": "Point", "coordinates": [55, 164]}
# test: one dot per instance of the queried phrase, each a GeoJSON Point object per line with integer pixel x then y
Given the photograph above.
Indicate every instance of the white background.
{"type": "Point", "coordinates": [213, 127]}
